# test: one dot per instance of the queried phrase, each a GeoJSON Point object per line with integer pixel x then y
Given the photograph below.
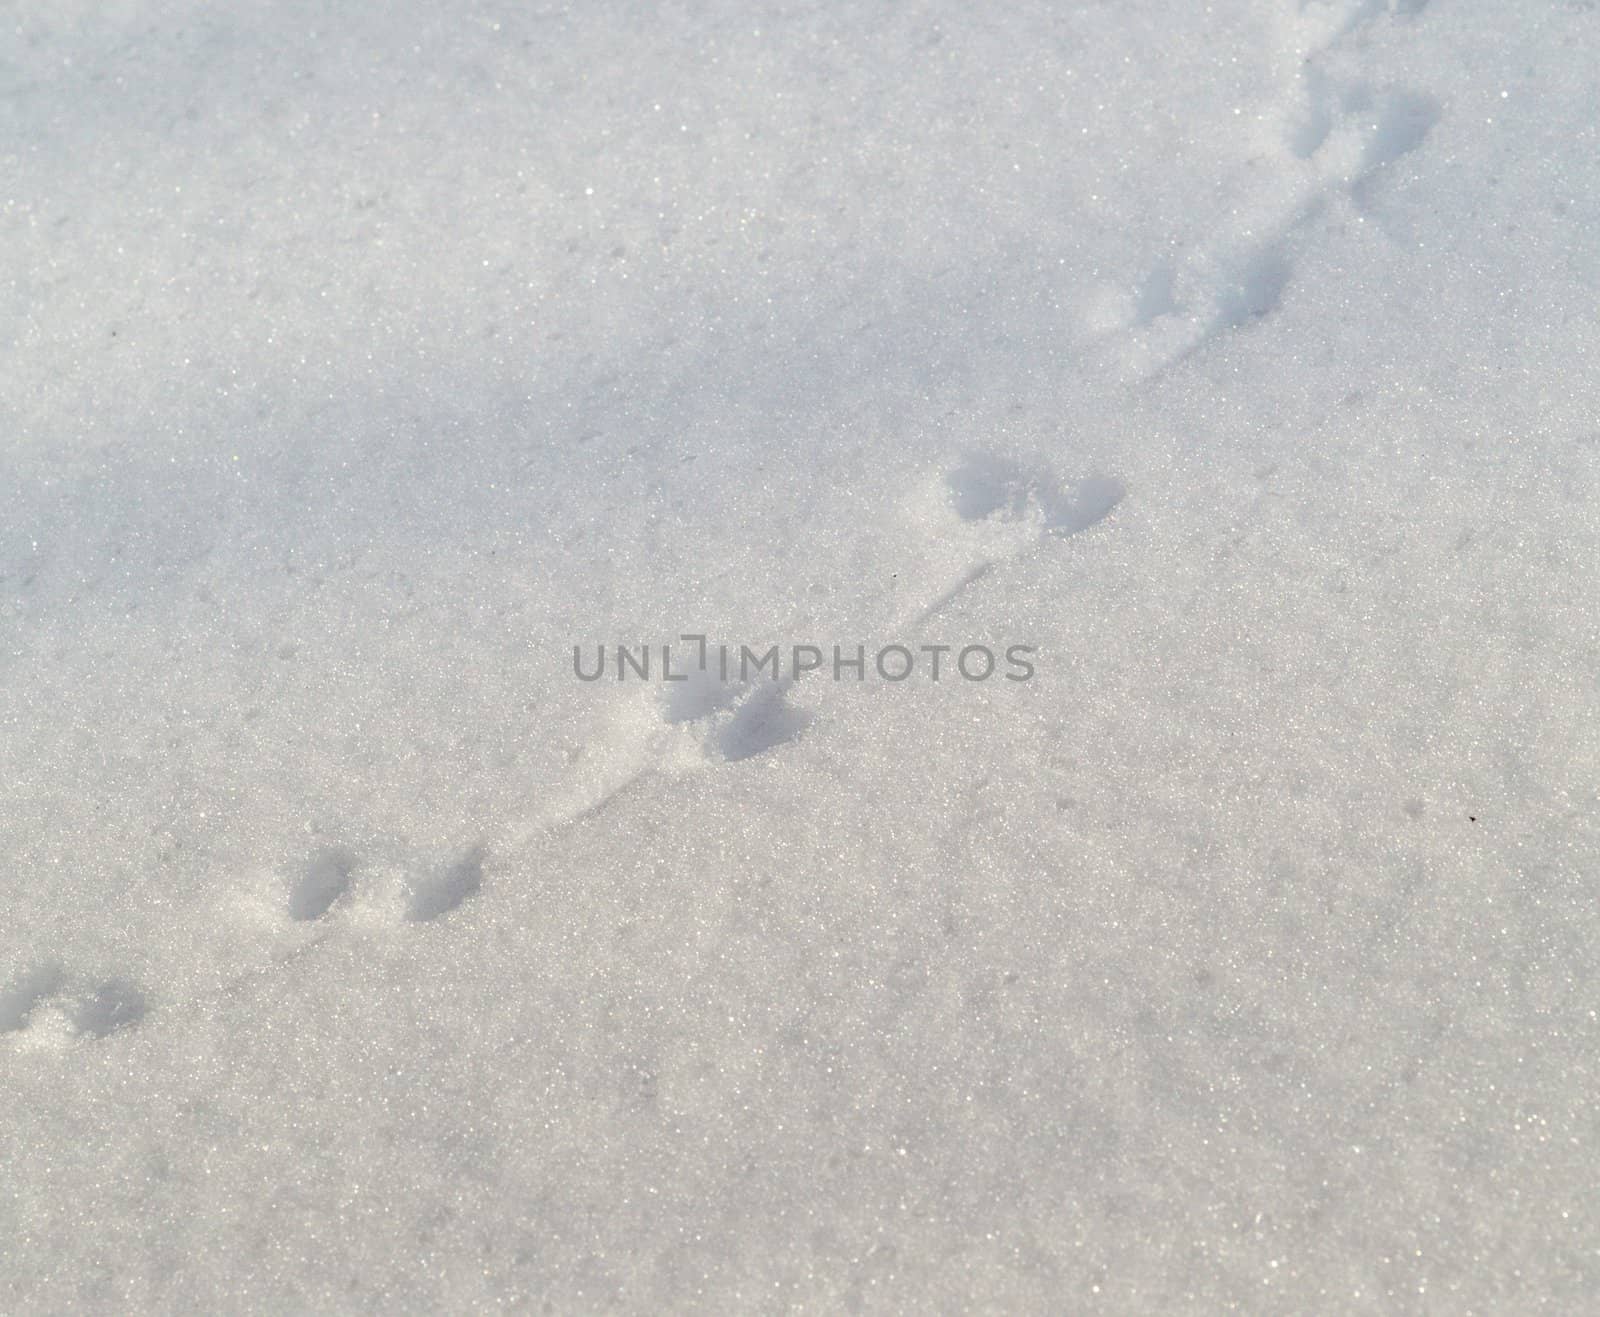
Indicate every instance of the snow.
{"type": "Point", "coordinates": [361, 361]}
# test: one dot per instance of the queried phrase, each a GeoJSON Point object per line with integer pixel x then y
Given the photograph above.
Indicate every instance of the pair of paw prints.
{"type": "Point", "coordinates": [74, 1004]}
{"type": "Point", "coordinates": [741, 719]}
{"type": "Point", "coordinates": [329, 875]}
{"type": "Point", "coordinates": [985, 487]}
{"type": "Point", "coordinates": [738, 719]}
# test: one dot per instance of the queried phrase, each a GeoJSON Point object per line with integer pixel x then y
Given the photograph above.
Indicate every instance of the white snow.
{"type": "Point", "coordinates": [359, 361]}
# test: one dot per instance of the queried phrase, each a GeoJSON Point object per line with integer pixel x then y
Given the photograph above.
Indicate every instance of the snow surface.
{"type": "Point", "coordinates": [360, 360]}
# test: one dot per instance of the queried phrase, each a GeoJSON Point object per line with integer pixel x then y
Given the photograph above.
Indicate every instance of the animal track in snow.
{"type": "Point", "coordinates": [325, 882]}
{"type": "Point", "coordinates": [30, 988]}
{"type": "Point", "coordinates": [1341, 138]}
{"type": "Point", "coordinates": [1358, 131]}
{"type": "Point", "coordinates": [1155, 297]}
{"type": "Point", "coordinates": [109, 1006]}
{"type": "Point", "coordinates": [1254, 287]}
{"type": "Point", "coordinates": [733, 718]}
{"type": "Point", "coordinates": [762, 721]}
{"type": "Point", "coordinates": [701, 694]}
{"type": "Point", "coordinates": [91, 1009]}
{"type": "Point", "coordinates": [1011, 508]}
{"type": "Point", "coordinates": [1083, 504]}
{"type": "Point", "coordinates": [728, 720]}
{"type": "Point", "coordinates": [325, 878]}
{"type": "Point", "coordinates": [440, 892]}
{"type": "Point", "coordinates": [986, 487]}
{"type": "Point", "coordinates": [1310, 128]}
{"type": "Point", "coordinates": [1403, 121]}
